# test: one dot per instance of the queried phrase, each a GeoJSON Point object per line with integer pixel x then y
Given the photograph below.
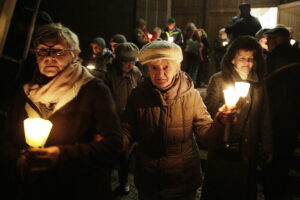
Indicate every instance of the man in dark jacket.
{"type": "Point", "coordinates": [163, 114]}
{"type": "Point", "coordinates": [284, 92]}
{"type": "Point", "coordinates": [172, 33]}
{"type": "Point", "coordinates": [280, 48]}
{"type": "Point", "coordinates": [245, 24]}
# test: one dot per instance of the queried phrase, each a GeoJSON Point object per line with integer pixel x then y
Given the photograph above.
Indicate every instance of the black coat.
{"type": "Point", "coordinates": [231, 174]}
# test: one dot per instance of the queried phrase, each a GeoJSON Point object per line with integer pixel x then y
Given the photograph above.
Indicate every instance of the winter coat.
{"type": "Point", "coordinates": [82, 170]}
{"type": "Point", "coordinates": [165, 125]}
{"type": "Point", "coordinates": [231, 173]}
{"type": "Point", "coordinates": [121, 84]}
{"type": "Point", "coordinates": [176, 33]}
{"type": "Point", "coordinates": [242, 25]}
{"type": "Point", "coordinates": [282, 55]}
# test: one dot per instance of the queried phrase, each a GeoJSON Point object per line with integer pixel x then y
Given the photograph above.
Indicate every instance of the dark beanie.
{"type": "Point", "coordinates": [118, 38]}
{"type": "Point", "coordinates": [99, 41]}
{"type": "Point", "coordinates": [127, 52]}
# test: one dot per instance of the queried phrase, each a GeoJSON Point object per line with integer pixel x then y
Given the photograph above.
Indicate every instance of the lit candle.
{"type": "Point", "coordinates": [292, 41]}
{"type": "Point", "coordinates": [150, 36]}
{"type": "Point", "coordinates": [231, 96]}
{"type": "Point", "coordinates": [91, 67]}
{"type": "Point", "coordinates": [224, 43]}
{"type": "Point", "coordinates": [36, 131]}
{"type": "Point", "coordinates": [171, 39]}
{"type": "Point", "coordinates": [242, 88]}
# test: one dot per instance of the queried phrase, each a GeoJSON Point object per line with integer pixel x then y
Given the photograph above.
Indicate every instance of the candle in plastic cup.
{"type": "Point", "coordinates": [231, 97]}
{"type": "Point", "coordinates": [171, 39]}
{"type": "Point", "coordinates": [242, 88]}
{"type": "Point", "coordinates": [37, 131]}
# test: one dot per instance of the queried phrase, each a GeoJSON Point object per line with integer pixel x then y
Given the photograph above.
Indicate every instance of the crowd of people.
{"type": "Point", "coordinates": [140, 99]}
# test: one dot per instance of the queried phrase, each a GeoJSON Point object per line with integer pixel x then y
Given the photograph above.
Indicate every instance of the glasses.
{"type": "Point", "coordinates": [51, 52]}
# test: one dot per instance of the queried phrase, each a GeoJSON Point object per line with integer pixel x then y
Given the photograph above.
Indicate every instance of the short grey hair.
{"type": "Point", "coordinates": [57, 32]}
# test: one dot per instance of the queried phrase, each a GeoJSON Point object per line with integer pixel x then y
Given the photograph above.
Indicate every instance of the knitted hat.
{"type": "Point", "coordinates": [127, 52]}
{"type": "Point", "coordinates": [158, 50]}
{"type": "Point", "coordinates": [171, 21]}
{"type": "Point", "coordinates": [118, 38]}
{"type": "Point", "coordinates": [99, 41]}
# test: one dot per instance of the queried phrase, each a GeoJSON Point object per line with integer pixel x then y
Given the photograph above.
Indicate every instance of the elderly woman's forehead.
{"type": "Point", "coordinates": [162, 61]}
{"type": "Point", "coordinates": [54, 42]}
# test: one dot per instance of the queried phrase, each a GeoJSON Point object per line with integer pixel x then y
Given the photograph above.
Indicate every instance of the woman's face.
{"type": "Point", "coordinates": [52, 57]}
{"type": "Point", "coordinates": [243, 60]}
{"type": "Point", "coordinates": [162, 72]}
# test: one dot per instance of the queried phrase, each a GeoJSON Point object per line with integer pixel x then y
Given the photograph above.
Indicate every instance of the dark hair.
{"type": "Point", "coordinates": [245, 43]}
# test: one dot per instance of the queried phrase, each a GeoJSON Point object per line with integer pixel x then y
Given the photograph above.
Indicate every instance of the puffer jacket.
{"type": "Point", "coordinates": [163, 124]}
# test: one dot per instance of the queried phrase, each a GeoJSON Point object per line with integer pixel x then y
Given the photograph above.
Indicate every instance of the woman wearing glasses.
{"type": "Point", "coordinates": [74, 162]}
{"type": "Point", "coordinates": [231, 166]}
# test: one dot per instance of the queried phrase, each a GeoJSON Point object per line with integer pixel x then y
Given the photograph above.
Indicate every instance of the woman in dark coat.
{"type": "Point", "coordinates": [163, 115]}
{"type": "Point", "coordinates": [231, 168]}
{"type": "Point", "coordinates": [74, 162]}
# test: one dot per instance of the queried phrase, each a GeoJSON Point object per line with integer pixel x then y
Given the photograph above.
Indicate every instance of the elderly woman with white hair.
{"type": "Point", "coordinates": [166, 116]}
{"type": "Point", "coordinates": [75, 161]}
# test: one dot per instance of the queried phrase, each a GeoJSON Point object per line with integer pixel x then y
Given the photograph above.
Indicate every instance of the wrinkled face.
{"type": "Point", "coordinates": [52, 58]}
{"type": "Point", "coordinates": [96, 48]}
{"type": "Point", "coordinates": [243, 60]}
{"type": "Point", "coordinates": [127, 66]}
{"type": "Point", "coordinates": [162, 72]}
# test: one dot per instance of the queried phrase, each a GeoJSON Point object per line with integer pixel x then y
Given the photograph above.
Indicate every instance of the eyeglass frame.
{"type": "Point", "coordinates": [51, 51]}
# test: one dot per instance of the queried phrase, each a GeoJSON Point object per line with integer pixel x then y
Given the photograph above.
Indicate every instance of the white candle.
{"type": "Point", "coordinates": [224, 43]}
{"type": "Point", "coordinates": [90, 66]}
{"type": "Point", "coordinates": [37, 131]}
{"type": "Point", "coordinates": [171, 39]}
{"type": "Point", "coordinates": [242, 88]}
{"type": "Point", "coordinates": [231, 96]}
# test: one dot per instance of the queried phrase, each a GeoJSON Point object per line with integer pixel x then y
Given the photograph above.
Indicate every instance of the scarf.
{"type": "Point", "coordinates": [243, 75]}
{"type": "Point", "coordinates": [58, 91]}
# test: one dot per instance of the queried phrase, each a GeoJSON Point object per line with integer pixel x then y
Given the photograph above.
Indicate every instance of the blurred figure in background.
{"type": "Point", "coordinates": [172, 33]}
{"type": "Point", "coordinates": [115, 40]}
{"type": "Point", "coordinates": [204, 59]}
{"type": "Point", "coordinates": [244, 24]}
{"type": "Point", "coordinates": [280, 48]}
{"type": "Point", "coordinates": [140, 33]}
{"type": "Point", "coordinates": [156, 33]}
{"type": "Point", "coordinates": [220, 47]}
{"type": "Point", "coordinates": [121, 78]}
{"type": "Point", "coordinates": [99, 58]}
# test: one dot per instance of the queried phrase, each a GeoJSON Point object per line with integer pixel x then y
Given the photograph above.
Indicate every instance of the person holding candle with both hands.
{"type": "Point", "coordinates": [85, 137]}
{"type": "Point", "coordinates": [231, 166]}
